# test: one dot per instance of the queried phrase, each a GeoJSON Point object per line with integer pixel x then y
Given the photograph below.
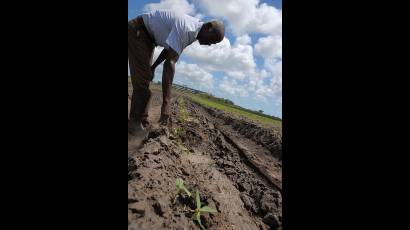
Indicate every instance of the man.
{"type": "Point", "coordinates": [174, 32]}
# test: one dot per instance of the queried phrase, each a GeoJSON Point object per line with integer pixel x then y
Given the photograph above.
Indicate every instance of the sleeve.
{"type": "Point", "coordinates": [174, 40]}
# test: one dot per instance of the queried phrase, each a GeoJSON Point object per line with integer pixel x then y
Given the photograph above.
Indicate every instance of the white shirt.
{"type": "Point", "coordinates": [172, 30]}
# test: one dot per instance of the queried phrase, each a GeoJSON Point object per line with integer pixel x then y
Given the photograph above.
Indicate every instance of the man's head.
{"type": "Point", "coordinates": [211, 32]}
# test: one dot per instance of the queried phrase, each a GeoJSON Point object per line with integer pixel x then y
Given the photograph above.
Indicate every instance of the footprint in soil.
{"type": "Point", "coordinates": [132, 167]}
{"type": "Point", "coordinates": [159, 207]}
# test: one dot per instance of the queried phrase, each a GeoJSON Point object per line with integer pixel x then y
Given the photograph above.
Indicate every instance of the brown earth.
{"type": "Point", "coordinates": [236, 165]}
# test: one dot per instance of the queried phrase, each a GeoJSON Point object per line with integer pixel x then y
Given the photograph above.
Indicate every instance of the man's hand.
{"type": "Point", "coordinates": [167, 78]}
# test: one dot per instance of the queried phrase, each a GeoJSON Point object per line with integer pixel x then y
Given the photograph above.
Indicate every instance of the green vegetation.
{"type": "Point", "coordinates": [199, 209]}
{"type": "Point", "coordinates": [181, 187]}
{"type": "Point", "coordinates": [236, 110]}
{"type": "Point", "coordinates": [180, 132]}
{"type": "Point", "coordinates": [226, 105]}
{"type": "Point", "coordinates": [183, 114]}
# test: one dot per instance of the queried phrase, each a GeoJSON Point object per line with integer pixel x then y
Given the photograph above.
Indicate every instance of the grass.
{"type": "Point", "coordinates": [183, 114]}
{"type": "Point", "coordinates": [225, 106]}
{"type": "Point", "coordinates": [234, 110]}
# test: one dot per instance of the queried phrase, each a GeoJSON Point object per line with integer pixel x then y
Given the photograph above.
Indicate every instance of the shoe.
{"type": "Point", "coordinates": [135, 128]}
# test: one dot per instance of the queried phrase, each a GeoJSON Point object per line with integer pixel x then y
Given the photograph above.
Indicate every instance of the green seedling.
{"type": "Point", "coordinates": [179, 183]}
{"type": "Point", "coordinates": [199, 209]}
{"type": "Point", "coordinates": [182, 148]}
{"type": "Point", "coordinates": [181, 187]}
{"type": "Point", "coordinates": [193, 120]}
{"type": "Point", "coordinates": [183, 113]}
{"type": "Point", "coordinates": [180, 131]}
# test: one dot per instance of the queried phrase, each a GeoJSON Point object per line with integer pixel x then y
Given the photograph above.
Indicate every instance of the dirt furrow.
{"type": "Point", "coordinates": [235, 174]}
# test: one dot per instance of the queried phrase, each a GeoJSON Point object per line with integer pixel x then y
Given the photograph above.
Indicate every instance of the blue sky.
{"type": "Point", "coordinates": [249, 71]}
{"type": "Point", "coordinates": [135, 7]}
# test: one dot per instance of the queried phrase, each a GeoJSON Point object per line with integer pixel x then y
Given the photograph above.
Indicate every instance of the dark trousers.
{"type": "Point", "coordinates": [140, 54]}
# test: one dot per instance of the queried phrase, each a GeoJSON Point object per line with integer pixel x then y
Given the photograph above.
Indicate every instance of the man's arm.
{"type": "Point", "coordinates": [167, 78]}
{"type": "Point", "coordinates": [159, 60]}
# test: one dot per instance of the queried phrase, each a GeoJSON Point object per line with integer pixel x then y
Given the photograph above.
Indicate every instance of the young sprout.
{"type": "Point", "coordinates": [183, 148]}
{"type": "Point", "coordinates": [181, 188]}
{"type": "Point", "coordinates": [199, 209]}
{"type": "Point", "coordinates": [183, 113]}
{"type": "Point", "coordinates": [180, 131]}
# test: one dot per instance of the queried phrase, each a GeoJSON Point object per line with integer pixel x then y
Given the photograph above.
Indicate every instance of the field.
{"type": "Point", "coordinates": [231, 157]}
{"type": "Point", "coordinates": [222, 104]}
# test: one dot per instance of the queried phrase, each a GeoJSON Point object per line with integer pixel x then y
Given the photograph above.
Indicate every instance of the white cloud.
{"type": "Point", "coordinates": [224, 57]}
{"type": "Point", "coordinates": [193, 76]}
{"type": "Point", "coordinates": [178, 6]}
{"type": "Point", "coordinates": [210, 56]}
{"type": "Point", "coordinates": [269, 86]}
{"type": "Point", "coordinates": [237, 75]}
{"type": "Point", "coordinates": [189, 74]}
{"type": "Point", "coordinates": [233, 88]}
{"type": "Point", "coordinates": [242, 78]}
{"type": "Point", "coordinates": [274, 66]}
{"type": "Point", "coordinates": [245, 16]}
{"type": "Point", "coordinates": [269, 47]}
{"type": "Point", "coordinates": [243, 40]}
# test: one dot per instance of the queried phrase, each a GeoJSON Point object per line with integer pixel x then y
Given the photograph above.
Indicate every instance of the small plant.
{"type": "Point", "coordinates": [182, 148]}
{"type": "Point", "coordinates": [199, 209]}
{"type": "Point", "coordinates": [181, 187]}
{"type": "Point", "coordinates": [193, 120]}
{"type": "Point", "coordinates": [183, 113]}
{"type": "Point", "coordinates": [179, 183]}
{"type": "Point", "coordinates": [180, 132]}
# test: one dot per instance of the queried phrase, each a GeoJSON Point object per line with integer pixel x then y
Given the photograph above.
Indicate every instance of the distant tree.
{"type": "Point", "coordinates": [227, 101]}
{"type": "Point", "coordinates": [260, 111]}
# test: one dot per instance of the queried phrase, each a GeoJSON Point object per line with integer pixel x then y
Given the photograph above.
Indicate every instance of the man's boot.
{"type": "Point", "coordinates": [144, 116]}
{"type": "Point", "coordinates": [138, 111]}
